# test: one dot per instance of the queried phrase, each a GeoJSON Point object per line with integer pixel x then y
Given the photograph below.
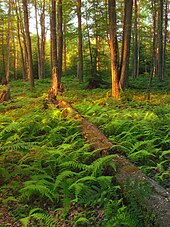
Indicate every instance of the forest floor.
{"type": "Point", "coordinates": [38, 146]}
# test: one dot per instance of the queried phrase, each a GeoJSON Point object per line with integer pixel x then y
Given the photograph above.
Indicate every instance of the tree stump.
{"type": "Point", "coordinates": [4, 93]}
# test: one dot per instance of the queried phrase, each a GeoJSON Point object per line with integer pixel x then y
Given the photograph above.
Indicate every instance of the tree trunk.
{"type": "Point", "coordinates": [25, 51]}
{"type": "Point", "coordinates": [20, 45]}
{"type": "Point", "coordinates": [60, 42]}
{"type": "Point", "coordinates": [38, 40]}
{"type": "Point", "coordinates": [15, 60]}
{"type": "Point", "coordinates": [135, 45]}
{"type": "Point", "coordinates": [80, 52]}
{"type": "Point", "coordinates": [160, 41]}
{"type": "Point", "coordinates": [43, 40]}
{"type": "Point", "coordinates": [65, 46]}
{"type": "Point", "coordinates": [153, 64]}
{"type": "Point", "coordinates": [113, 48]}
{"type": "Point", "coordinates": [124, 66]}
{"type": "Point", "coordinates": [89, 46]}
{"type": "Point", "coordinates": [29, 47]}
{"type": "Point", "coordinates": [165, 37]}
{"type": "Point", "coordinates": [8, 45]}
{"type": "Point", "coordinates": [3, 57]}
{"type": "Point", "coordinates": [155, 202]}
{"type": "Point", "coordinates": [154, 53]}
{"type": "Point", "coordinates": [54, 88]}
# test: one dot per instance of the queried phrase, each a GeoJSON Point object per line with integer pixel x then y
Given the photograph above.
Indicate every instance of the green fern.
{"type": "Point", "coordinates": [97, 166]}
{"type": "Point", "coordinates": [18, 146]}
{"type": "Point", "coordinates": [38, 188]}
{"type": "Point", "coordinates": [165, 153]}
{"type": "Point", "coordinates": [62, 177]}
{"type": "Point", "coordinates": [4, 173]}
{"type": "Point", "coordinates": [38, 214]}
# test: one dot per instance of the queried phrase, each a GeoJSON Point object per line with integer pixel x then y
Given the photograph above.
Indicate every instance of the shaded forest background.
{"type": "Point", "coordinates": [75, 36]}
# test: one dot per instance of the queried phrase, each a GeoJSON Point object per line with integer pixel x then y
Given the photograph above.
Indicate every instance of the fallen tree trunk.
{"type": "Point", "coordinates": [150, 196]}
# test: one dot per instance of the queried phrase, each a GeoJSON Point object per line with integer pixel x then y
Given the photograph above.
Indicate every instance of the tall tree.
{"type": "Point", "coordinates": [55, 79]}
{"type": "Point", "coordinates": [65, 44]}
{"type": "Point", "coordinates": [24, 68]}
{"type": "Point", "coordinates": [160, 41]}
{"type": "Point", "coordinates": [136, 42]}
{"type": "Point", "coordinates": [43, 39]}
{"type": "Point", "coordinates": [60, 41]}
{"type": "Point", "coordinates": [165, 35]}
{"type": "Point", "coordinates": [127, 25]}
{"type": "Point", "coordinates": [2, 32]}
{"type": "Point", "coordinates": [89, 45]}
{"type": "Point", "coordinates": [38, 40]}
{"type": "Point", "coordinates": [120, 77]}
{"type": "Point", "coordinates": [6, 81]}
{"type": "Point", "coordinates": [80, 52]}
{"type": "Point", "coordinates": [29, 47]}
{"type": "Point", "coordinates": [154, 39]}
{"type": "Point", "coordinates": [113, 48]}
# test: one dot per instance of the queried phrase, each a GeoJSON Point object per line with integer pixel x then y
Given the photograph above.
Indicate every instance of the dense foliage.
{"type": "Point", "coordinates": [51, 177]}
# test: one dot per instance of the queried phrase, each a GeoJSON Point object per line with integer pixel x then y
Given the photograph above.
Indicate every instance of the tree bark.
{"type": "Point", "coordinates": [124, 66]}
{"type": "Point", "coordinates": [25, 50]}
{"type": "Point", "coordinates": [38, 40]}
{"type": "Point", "coordinates": [134, 183]}
{"type": "Point", "coordinates": [43, 40]}
{"type": "Point", "coordinates": [160, 41]}
{"type": "Point", "coordinates": [165, 37]}
{"type": "Point", "coordinates": [135, 44]}
{"type": "Point", "coordinates": [113, 48]}
{"type": "Point", "coordinates": [65, 45]}
{"type": "Point", "coordinates": [55, 79]}
{"type": "Point", "coordinates": [80, 52]}
{"type": "Point", "coordinates": [3, 56]}
{"type": "Point", "coordinates": [24, 68]}
{"type": "Point", "coordinates": [29, 47]}
{"type": "Point", "coordinates": [154, 39]}
{"type": "Point", "coordinates": [60, 42]}
{"type": "Point", "coordinates": [15, 60]}
{"type": "Point", "coordinates": [8, 45]}
{"type": "Point", "coordinates": [154, 60]}
{"type": "Point", "coordinates": [89, 46]}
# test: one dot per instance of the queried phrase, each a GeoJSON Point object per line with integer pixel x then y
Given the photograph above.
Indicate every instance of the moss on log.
{"type": "Point", "coordinates": [150, 196]}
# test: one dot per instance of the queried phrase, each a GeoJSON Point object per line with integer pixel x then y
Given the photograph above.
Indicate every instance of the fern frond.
{"type": "Point", "coordinates": [39, 215]}
{"type": "Point", "coordinates": [97, 166]}
{"type": "Point", "coordinates": [33, 188]}
{"type": "Point", "coordinates": [82, 191]}
{"type": "Point", "coordinates": [45, 219]}
{"type": "Point", "coordinates": [164, 153]}
{"type": "Point", "coordinates": [63, 175]}
{"type": "Point", "coordinates": [139, 144]}
{"type": "Point", "coordinates": [74, 165]}
{"type": "Point", "coordinates": [4, 173]}
{"type": "Point", "coordinates": [81, 221]}
{"type": "Point", "coordinates": [18, 146]}
{"type": "Point", "coordinates": [104, 181]}
{"type": "Point", "coordinates": [140, 155]}
{"type": "Point", "coordinates": [13, 127]}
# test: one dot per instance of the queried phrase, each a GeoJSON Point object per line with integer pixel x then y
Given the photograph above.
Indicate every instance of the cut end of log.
{"type": "Point", "coordinates": [4, 93]}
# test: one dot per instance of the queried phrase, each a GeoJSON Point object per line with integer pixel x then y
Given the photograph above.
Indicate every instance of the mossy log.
{"type": "Point", "coordinates": [4, 93]}
{"type": "Point", "coordinates": [148, 194]}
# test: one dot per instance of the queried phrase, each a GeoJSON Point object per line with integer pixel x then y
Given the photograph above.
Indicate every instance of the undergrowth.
{"type": "Point", "coordinates": [51, 177]}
